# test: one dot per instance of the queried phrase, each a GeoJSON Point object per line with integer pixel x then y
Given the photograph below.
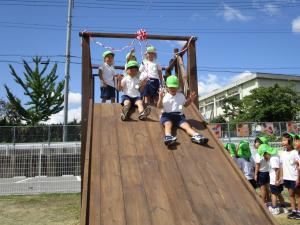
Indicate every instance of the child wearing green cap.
{"type": "Point", "coordinates": [245, 162]}
{"type": "Point", "coordinates": [130, 57]}
{"type": "Point", "coordinates": [172, 103]}
{"type": "Point", "coordinates": [290, 171]}
{"type": "Point", "coordinates": [131, 94]}
{"type": "Point", "coordinates": [276, 182]}
{"type": "Point", "coordinates": [107, 74]}
{"type": "Point", "coordinates": [151, 74]}
{"type": "Point", "coordinates": [262, 168]}
{"type": "Point", "coordinates": [231, 148]}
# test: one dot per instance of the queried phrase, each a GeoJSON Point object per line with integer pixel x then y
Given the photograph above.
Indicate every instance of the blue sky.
{"type": "Point", "coordinates": [234, 37]}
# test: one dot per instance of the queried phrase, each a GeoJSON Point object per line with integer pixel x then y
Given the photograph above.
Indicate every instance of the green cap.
{"type": "Point", "coordinates": [151, 49]}
{"type": "Point", "coordinates": [244, 150]}
{"type": "Point", "coordinates": [172, 81]}
{"type": "Point", "coordinates": [106, 53]}
{"type": "Point", "coordinates": [231, 148]}
{"type": "Point", "coordinates": [132, 64]}
{"type": "Point", "coordinates": [264, 140]}
{"type": "Point", "coordinates": [264, 148]}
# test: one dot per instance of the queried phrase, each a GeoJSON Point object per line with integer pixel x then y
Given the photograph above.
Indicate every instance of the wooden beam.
{"type": "Point", "coordinates": [192, 70]}
{"type": "Point", "coordinates": [118, 35]}
{"type": "Point", "coordinates": [86, 94]}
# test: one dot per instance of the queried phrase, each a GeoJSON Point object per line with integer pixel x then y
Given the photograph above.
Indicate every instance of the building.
{"type": "Point", "coordinates": [211, 104]}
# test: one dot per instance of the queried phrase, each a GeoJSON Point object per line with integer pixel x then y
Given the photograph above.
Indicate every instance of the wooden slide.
{"type": "Point", "coordinates": [132, 178]}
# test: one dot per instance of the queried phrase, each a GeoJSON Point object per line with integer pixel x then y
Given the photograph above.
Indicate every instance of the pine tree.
{"type": "Point", "coordinates": [45, 97]}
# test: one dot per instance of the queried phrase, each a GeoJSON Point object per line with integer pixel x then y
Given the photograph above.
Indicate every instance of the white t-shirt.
{"type": "Point", "coordinates": [173, 103]}
{"type": "Point", "coordinates": [288, 164]}
{"type": "Point", "coordinates": [149, 69]}
{"type": "Point", "coordinates": [247, 167]}
{"type": "Point", "coordinates": [264, 165]}
{"type": "Point", "coordinates": [108, 73]}
{"type": "Point", "coordinates": [275, 163]}
{"type": "Point", "coordinates": [129, 85]}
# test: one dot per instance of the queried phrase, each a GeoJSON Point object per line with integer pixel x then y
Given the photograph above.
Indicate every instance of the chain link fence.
{"type": "Point", "coordinates": [35, 160]}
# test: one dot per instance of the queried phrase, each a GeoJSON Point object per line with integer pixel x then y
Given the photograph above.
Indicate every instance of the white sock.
{"type": "Point", "coordinates": [168, 134]}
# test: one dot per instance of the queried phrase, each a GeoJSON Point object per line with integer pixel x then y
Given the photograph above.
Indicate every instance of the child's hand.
{"type": "Point", "coordinates": [255, 177]}
{"type": "Point", "coordinates": [277, 183]}
{"type": "Point", "coordinates": [161, 93]}
{"type": "Point", "coordinates": [120, 76]}
{"type": "Point", "coordinates": [143, 82]}
{"type": "Point", "coordinates": [192, 96]}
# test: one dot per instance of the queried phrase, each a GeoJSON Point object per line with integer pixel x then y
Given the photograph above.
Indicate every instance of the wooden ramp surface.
{"type": "Point", "coordinates": [134, 179]}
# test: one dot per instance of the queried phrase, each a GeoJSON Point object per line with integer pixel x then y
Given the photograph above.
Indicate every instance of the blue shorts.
{"type": "Point", "coordinates": [151, 88]}
{"type": "Point", "coordinates": [263, 178]}
{"type": "Point", "coordinates": [132, 100]}
{"type": "Point", "coordinates": [108, 92]}
{"type": "Point", "coordinates": [253, 183]}
{"type": "Point", "coordinates": [176, 118]}
{"type": "Point", "coordinates": [289, 184]}
{"type": "Point", "coordinates": [276, 190]}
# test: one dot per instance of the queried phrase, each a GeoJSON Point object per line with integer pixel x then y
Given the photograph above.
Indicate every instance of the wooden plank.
{"type": "Point", "coordinates": [157, 196]}
{"type": "Point", "coordinates": [84, 212]}
{"type": "Point", "coordinates": [135, 199]}
{"type": "Point", "coordinates": [192, 70]}
{"type": "Point", "coordinates": [172, 180]}
{"type": "Point", "coordinates": [85, 99]}
{"type": "Point", "coordinates": [133, 36]}
{"type": "Point", "coordinates": [94, 206]}
{"type": "Point", "coordinates": [111, 202]}
{"type": "Point", "coordinates": [249, 210]}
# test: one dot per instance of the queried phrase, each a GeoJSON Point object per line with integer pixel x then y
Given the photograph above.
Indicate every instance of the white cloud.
{"type": "Point", "coordinates": [209, 85]}
{"type": "Point", "coordinates": [231, 14]}
{"type": "Point", "coordinates": [240, 76]}
{"type": "Point", "coordinates": [296, 25]}
{"type": "Point", "coordinates": [271, 9]}
{"type": "Point", "coordinates": [74, 98]}
{"type": "Point", "coordinates": [59, 117]}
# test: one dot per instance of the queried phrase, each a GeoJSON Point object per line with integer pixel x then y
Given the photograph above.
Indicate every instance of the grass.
{"type": "Point", "coordinates": [58, 209]}
{"type": "Point", "coordinates": [52, 209]}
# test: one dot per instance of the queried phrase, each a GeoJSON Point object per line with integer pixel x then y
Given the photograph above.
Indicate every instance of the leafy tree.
{"type": "Point", "coordinates": [45, 97]}
{"type": "Point", "coordinates": [218, 119]}
{"type": "Point", "coordinates": [271, 104]}
{"type": "Point", "coordinates": [232, 108]}
{"type": "Point", "coordinates": [8, 115]}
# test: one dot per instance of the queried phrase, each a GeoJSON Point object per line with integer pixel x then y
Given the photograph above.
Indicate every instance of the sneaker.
{"type": "Point", "coordinates": [199, 139]}
{"type": "Point", "coordinates": [291, 215]}
{"type": "Point", "coordinates": [143, 115]}
{"type": "Point", "coordinates": [297, 216]}
{"type": "Point", "coordinates": [125, 112]}
{"type": "Point", "coordinates": [169, 139]}
{"type": "Point", "coordinates": [275, 211]}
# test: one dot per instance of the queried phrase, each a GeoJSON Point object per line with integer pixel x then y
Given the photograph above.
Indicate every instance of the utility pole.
{"type": "Point", "coordinates": [67, 70]}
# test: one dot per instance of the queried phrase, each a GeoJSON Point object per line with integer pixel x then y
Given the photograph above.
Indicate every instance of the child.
{"type": "Point", "coordinates": [130, 86]}
{"type": "Point", "coordinates": [172, 103]}
{"type": "Point", "coordinates": [245, 163]}
{"type": "Point", "coordinates": [230, 147]}
{"type": "Point", "coordinates": [276, 183]}
{"type": "Point", "coordinates": [130, 57]}
{"type": "Point", "coordinates": [262, 167]}
{"type": "Point", "coordinates": [107, 74]}
{"type": "Point", "coordinates": [290, 171]}
{"type": "Point", "coordinates": [297, 146]}
{"type": "Point", "coordinates": [151, 73]}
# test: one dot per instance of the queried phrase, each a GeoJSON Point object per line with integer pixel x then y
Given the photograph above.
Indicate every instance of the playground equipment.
{"type": "Point", "coordinates": [130, 177]}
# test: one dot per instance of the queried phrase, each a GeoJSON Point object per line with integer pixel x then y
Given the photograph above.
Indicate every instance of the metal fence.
{"type": "Point", "coordinates": [39, 168]}
{"type": "Point", "coordinates": [42, 134]}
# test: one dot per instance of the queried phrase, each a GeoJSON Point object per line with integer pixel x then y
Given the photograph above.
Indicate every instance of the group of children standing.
{"type": "Point", "coordinates": [143, 84]}
{"type": "Point", "coordinates": [271, 170]}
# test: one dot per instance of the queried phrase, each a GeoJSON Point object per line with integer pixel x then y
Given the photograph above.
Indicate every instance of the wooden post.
{"type": "Point", "coordinates": [87, 92]}
{"type": "Point", "coordinates": [192, 70]}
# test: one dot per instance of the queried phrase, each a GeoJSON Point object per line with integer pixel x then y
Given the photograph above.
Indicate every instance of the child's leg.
{"type": "Point", "coordinates": [186, 126]}
{"type": "Point", "coordinates": [113, 100]}
{"type": "Point", "coordinates": [125, 109]}
{"type": "Point", "coordinates": [263, 192]}
{"type": "Point", "coordinates": [281, 199]}
{"type": "Point", "coordinates": [147, 100]}
{"type": "Point", "coordinates": [274, 200]}
{"type": "Point", "coordinates": [292, 198]}
{"type": "Point", "coordinates": [103, 100]}
{"type": "Point", "coordinates": [168, 128]}
{"type": "Point", "coordinates": [139, 104]}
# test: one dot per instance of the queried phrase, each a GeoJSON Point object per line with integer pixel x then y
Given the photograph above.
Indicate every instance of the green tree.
{"type": "Point", "coordinates": [218, 119]}
{"type": "Point", "coordinates": [232, 108]}
{"type": "Point", "coordinates": [276, 103]}
{"type": "Point", "coordinates": [45, 97]}
{"type": "Point", "coordinates": [8, 115]}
